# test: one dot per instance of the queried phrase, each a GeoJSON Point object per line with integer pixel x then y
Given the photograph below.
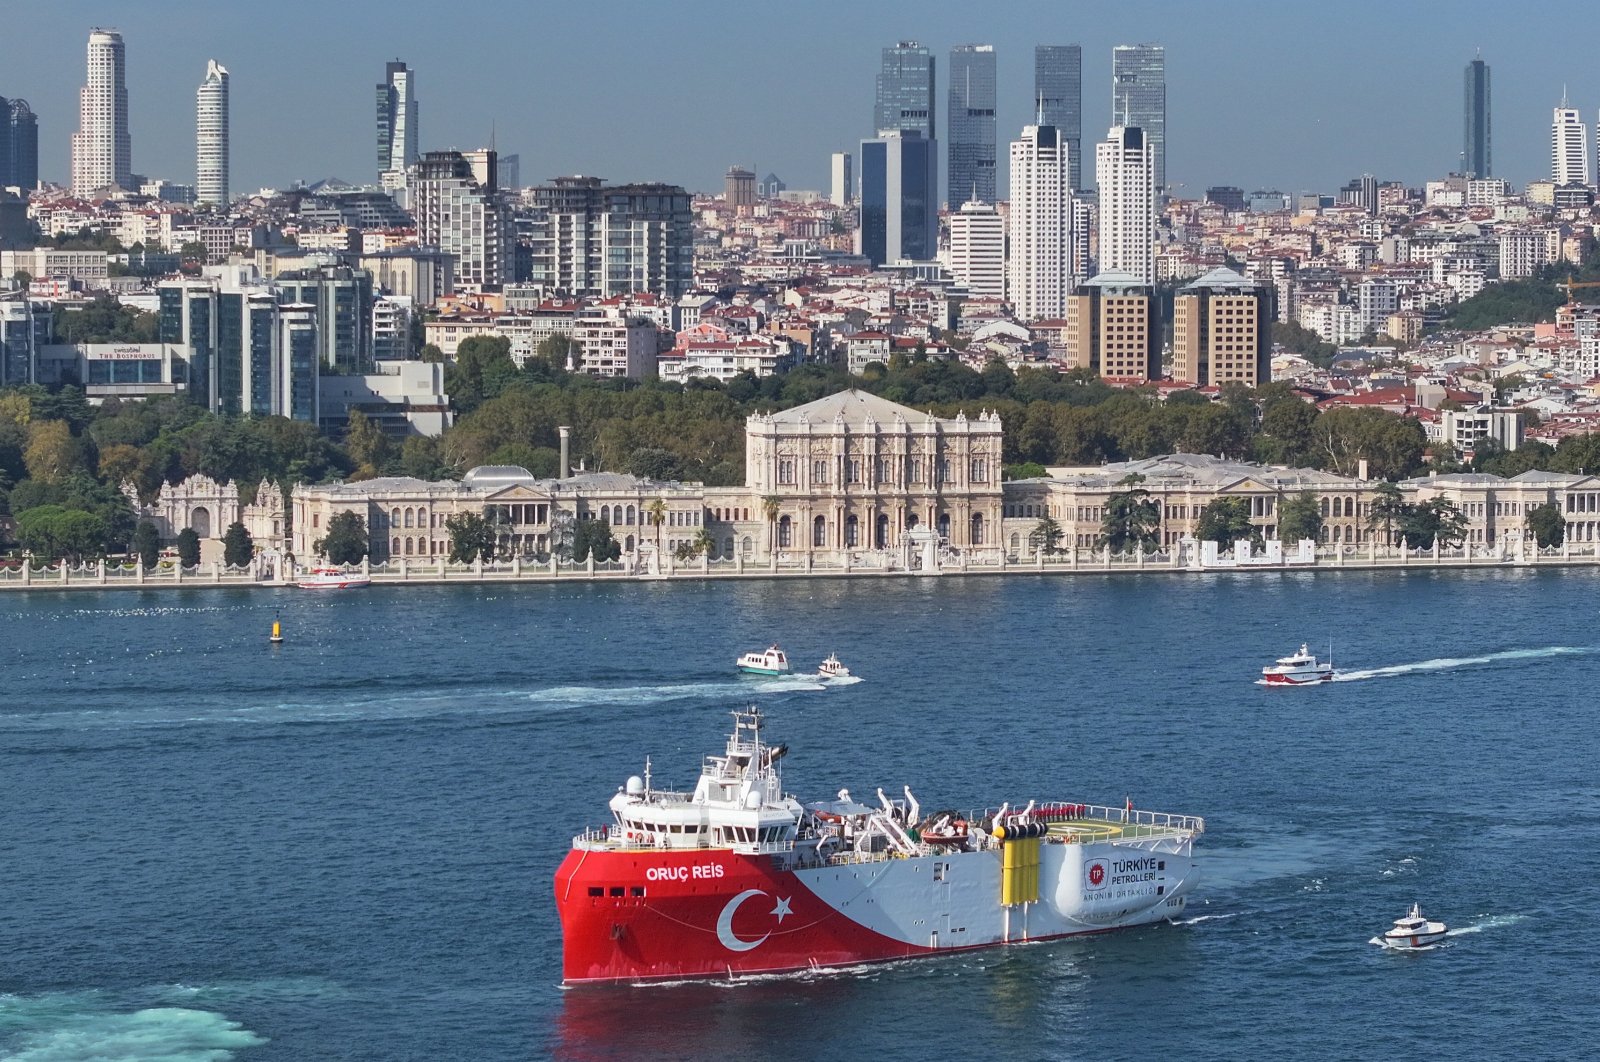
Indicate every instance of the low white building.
{"type": "Point", "coordinates": [402, 398]}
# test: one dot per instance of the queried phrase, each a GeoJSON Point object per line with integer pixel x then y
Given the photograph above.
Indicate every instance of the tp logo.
{"type": "Point", "coordinates": [1096, 873]}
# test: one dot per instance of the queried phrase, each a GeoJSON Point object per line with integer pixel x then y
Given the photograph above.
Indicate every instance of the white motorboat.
{"type": "Point", "coordinates": [1414, 931]}
{"type": "Point", "coordinates": [771, 662]}
{"type": "Point", "coordinates": [332, 579]}
{"type": "Point", "coordinates": [831, 668]}
{"type": "Point", "coordinates": [1297, 669]}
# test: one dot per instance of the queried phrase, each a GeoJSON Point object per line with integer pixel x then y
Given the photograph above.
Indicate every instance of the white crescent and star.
{"type": "Point", "coordinates": [725, 932]}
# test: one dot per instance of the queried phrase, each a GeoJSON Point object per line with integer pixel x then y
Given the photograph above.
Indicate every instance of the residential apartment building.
{"type": "Point", "coordinates": [590, 240]}
{"type": "Point", "coordinates": [102, 151]}
{"type": "Point", "coordinates": [1125, 169]}
{"type": "Point", "coordinates": [455, 198]}
{"type": "Point", "coordinates": [978, 249]}
{"type": "Point", "coordinates": [1039, 254]}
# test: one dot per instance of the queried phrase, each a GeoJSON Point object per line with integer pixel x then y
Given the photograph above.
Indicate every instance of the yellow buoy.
{"type": "Point", "coordinates": [277, 633]}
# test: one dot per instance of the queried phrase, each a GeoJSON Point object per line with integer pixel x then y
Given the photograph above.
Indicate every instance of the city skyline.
{"type": "Point", "coordinates": [317, 126]}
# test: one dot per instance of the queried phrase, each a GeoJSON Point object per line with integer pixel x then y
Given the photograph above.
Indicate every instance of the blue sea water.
{"type": "Point", "coordinates": [343, 848]}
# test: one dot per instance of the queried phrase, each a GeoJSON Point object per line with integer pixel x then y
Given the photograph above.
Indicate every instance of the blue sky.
{"type": "Point", "coordinates": [1287, 95]}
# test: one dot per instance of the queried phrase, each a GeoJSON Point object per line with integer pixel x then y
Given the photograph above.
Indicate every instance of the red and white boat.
{"type": "Point", "coordinates": [739, 877]}
{"type": "Point", "coordinates": [332, 579]}
{"type": "Point", "coordinates": [1297, 669]}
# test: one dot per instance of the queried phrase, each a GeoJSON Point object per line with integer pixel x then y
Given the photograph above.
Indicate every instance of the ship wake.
{"type": "Point", "coordinates": [1451, 663]}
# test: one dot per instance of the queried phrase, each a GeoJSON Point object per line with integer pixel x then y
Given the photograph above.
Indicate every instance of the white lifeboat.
{"type": "Point", "coordinates": [832, 668]}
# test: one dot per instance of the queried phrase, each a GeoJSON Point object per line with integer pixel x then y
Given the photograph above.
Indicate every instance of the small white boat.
{"type": "Point", "coordinates": [1297, 669]}
{"type": "Point", "coordinates": [831, 668]}
{"type": "Point", "coordinates": [770, 662]}
{"type": "Point", "coordinates": [1414, 931]}
{"type": "Point", "coordinates": [332, 579]}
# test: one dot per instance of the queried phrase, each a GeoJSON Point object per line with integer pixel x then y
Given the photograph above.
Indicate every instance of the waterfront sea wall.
{"type": "Point", "coordinates": [104, 575]}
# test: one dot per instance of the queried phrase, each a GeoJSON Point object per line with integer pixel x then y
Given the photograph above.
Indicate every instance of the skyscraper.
{"type": "Point", "coordinates": [1475, 157]}
{"type": "Point", "coordinates": [19, 144]}
{"type": "Point", "coordinates": [1039, 261]}
{"type": "Point", "coordinates": [899, 201]}
{"type": "Point", "coordinates": [842, 192]}
{"type": "Point", "coordinates": [1139, 97]}
{"type": "Point", "coordinates": [1569, 146]}
{"type": "Point", "coordinates": [905, 90]}
{"type": "Point", "coordinates": [1125, 172]}
{"type": "Point", "coordinates": [211, 137]}
{"type": "Point", "coordinates": [397, 119]}
{"type": "Point", "coordinates": [102, 151]}
{"type": "Point", "coordinates": [1058, 97]}
{"type": "Point", "coordinates": [971, 118]}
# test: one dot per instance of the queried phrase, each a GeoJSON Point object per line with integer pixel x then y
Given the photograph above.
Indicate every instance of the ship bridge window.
{"type": "Point", "coordinates": [596, 890]}
{"type": "Point", "coordinates": [636, 890]}
{"type": "Point", "coordinates": [616, 890]}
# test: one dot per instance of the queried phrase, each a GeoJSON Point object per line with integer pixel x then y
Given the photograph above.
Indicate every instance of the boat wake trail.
{"type": "Point", "coordinates": [1491, 922]}
{"type": "Point", "coordinates": [584, 696]}
{"type": "Point", "coordinates": [1450, 663]}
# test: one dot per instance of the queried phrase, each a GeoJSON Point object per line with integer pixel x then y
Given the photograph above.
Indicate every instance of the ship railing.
{"type": "Point", "coordinates": [763, 847]}
{"type": "Point", "coordinates": [1144, 823]}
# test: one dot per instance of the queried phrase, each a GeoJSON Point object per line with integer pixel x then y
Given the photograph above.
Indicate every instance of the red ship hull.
{"type": "Point", "coordinates": [639, 915]}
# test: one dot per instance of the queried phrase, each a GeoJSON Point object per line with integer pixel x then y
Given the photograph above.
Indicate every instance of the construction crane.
{"type": "Point", "coordinates": [1570, 286]}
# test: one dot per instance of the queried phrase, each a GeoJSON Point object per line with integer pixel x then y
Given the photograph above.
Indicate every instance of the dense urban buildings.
{"type": "Point", "coordinates": [972, 124]}
{"type": "Point", "coordinates": [1039, 261]}
{"type": "Point", "coordinates": [1476, 158]}
{"type": "Point", "coordinates": [19, 145]}
{"type": "Point", "coordinates": [211, 137]}
{"type": "Point", "coordinates": [397, 123]}
{"type": "Point", "coordinates": [102, 151]}
{"type": "Point", "coordinates": [1125, 173]}
{"type": "Point", "coordinates": [1058, 98]}
{"type": "Point", "coordinates": [1139, 97]}
{"type": "Point", "coordinates": [899, 198]}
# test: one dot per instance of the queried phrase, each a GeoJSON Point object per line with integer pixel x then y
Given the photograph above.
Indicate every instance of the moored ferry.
{"type": "Point", "coordinates": [739, 877]}
{"type": "Point", "coordinates": [332, 579]}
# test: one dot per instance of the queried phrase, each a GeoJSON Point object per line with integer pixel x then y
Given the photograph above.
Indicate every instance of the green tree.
{"type": "Point", "coordinates": [237, 547]}
{"type": "Point", "coordinates": [53, 531]}
{"type": "Point", "coordinates": [594, 537]}
{"type": "Point", "coordinates": [1548, 524]}
{"type": "Point", "coordinates": [1388, 511]}
{"type": "Point", "coordinates": [1025, 470]}
{"type": "Point", "coordinates": [346, 539]}
{"type": "Point", "coordinates": [1225, 521]}
{"type": "Point", "coordinates": [657, 511]}
{"type": "Point", "coordinates": [1300, 517]}
{"type": "Point", "coordinates": [1046, 536]}
{"type": "Point", "coordinates": [53, 452]}
{"type": "Point", "coordinates": [1436, 519]}
{"type": "Point", "coordinates": [431, 354]}
{"type": "Point", "coordinates": [554, 350]}
{"type": "Point", "coordinates": [188, 544]}
{"type": "Point", "coordinates": [1132, 520]}
{"type": "Point", "coordinates": [367, 445]}
{"type": "Point", "coordinates": [147, 544]}
{"type": "Point", "coordinates": [471, 537]}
